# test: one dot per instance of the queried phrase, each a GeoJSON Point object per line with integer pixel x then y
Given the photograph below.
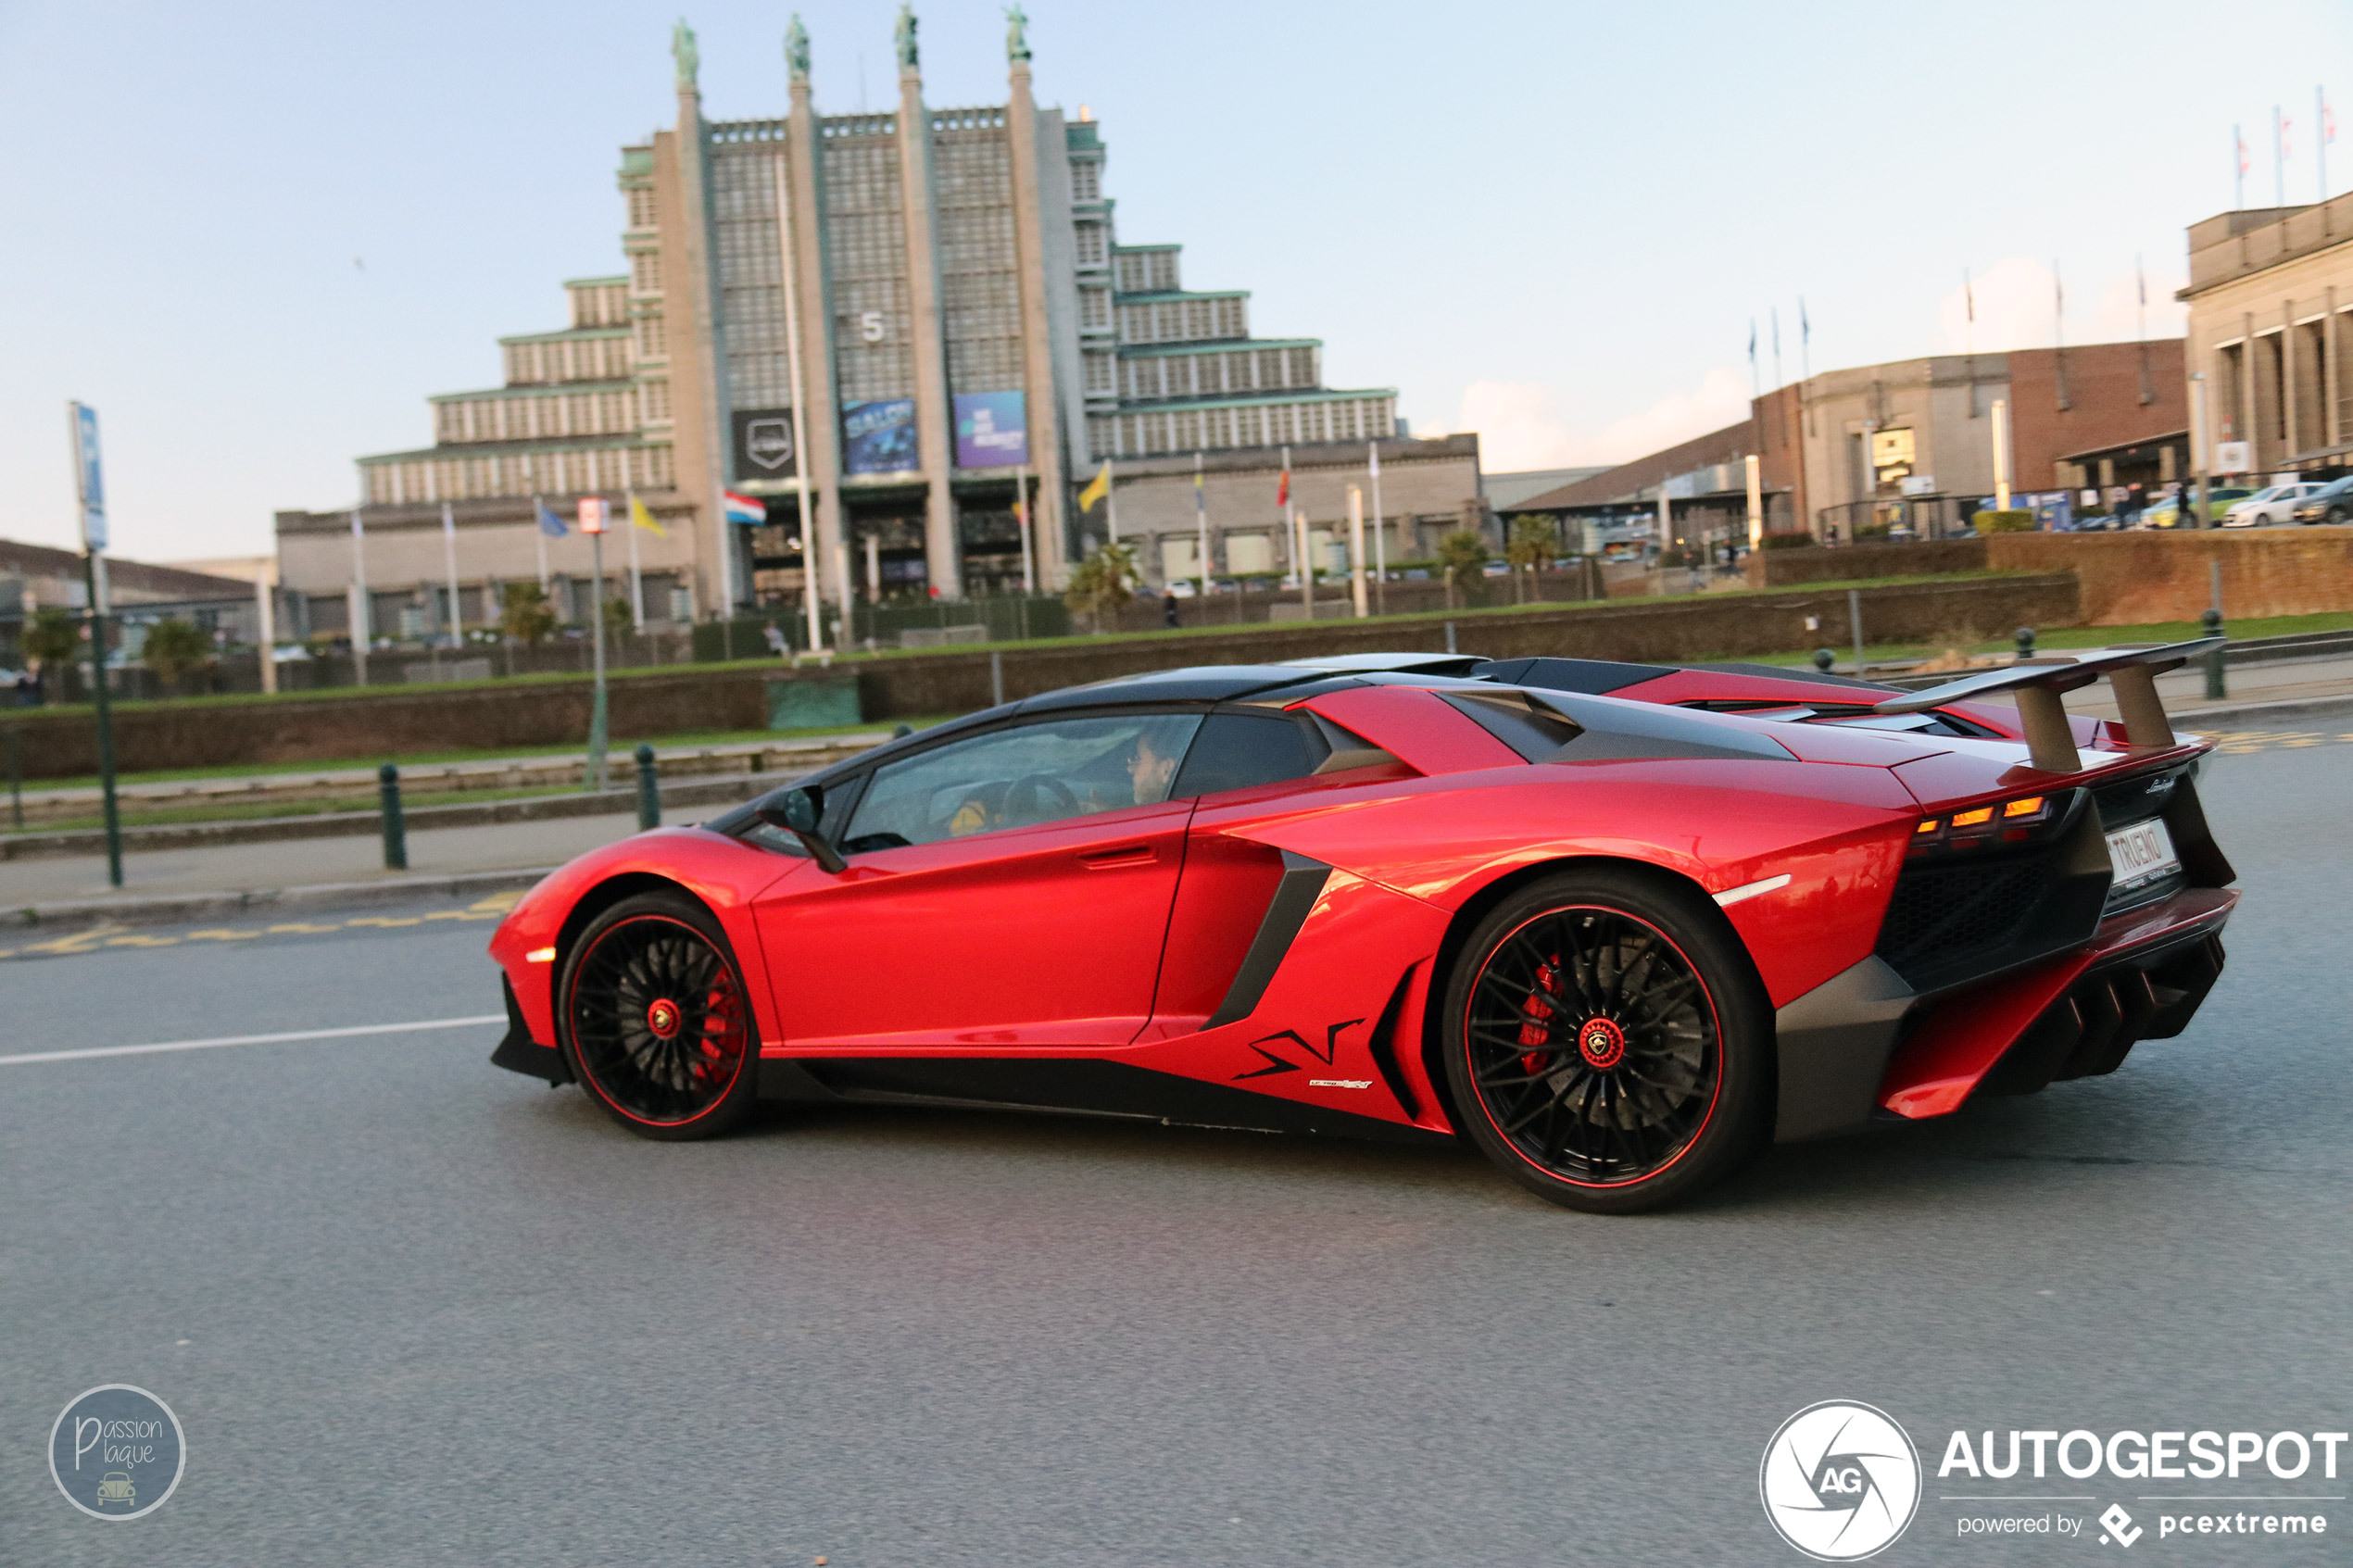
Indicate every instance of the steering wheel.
{"type": "Point", "coordinates": [1032, 798]}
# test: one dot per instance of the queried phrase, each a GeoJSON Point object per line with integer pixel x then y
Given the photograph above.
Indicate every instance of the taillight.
{"type": "Point", "coordinates": [2002, 821]}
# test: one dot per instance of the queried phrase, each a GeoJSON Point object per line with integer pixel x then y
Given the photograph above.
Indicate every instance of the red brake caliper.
{"type": "Point", "coordinates": [1535, 1031]}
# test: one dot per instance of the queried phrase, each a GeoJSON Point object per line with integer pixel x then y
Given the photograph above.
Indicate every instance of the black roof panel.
{"type": "Point", "coordinates": [1592, 676]}
{"type": "Point", "coordinates": [1199, 682]}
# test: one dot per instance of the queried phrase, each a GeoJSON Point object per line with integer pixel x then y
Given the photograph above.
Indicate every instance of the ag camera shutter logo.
{"type": "Point", "coordinates": [1841, 1481]}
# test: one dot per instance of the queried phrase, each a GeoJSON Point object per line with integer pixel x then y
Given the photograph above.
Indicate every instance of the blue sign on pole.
{"type": "Point", "coordinates": [88, 480]}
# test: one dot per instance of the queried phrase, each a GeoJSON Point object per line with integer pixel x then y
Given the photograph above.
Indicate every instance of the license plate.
{"type": "Point", "coordinates": [2141, 851]}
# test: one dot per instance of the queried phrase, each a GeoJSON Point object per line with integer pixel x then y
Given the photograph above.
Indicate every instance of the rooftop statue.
{"type": "Point", "coordinates": [797, 49]}
{"type": "Point", "coordinates": [683, 50]}
{"type": "Point", "coordinates": [1016, 33]}
{"type": "Point", "coordinates": [904, 35]}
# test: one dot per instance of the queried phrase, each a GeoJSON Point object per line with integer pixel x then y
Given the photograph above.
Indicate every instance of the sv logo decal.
{"type": "Point", "coordinates": [1293, 1037]}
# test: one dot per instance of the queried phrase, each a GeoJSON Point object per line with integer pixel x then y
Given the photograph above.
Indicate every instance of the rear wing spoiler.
{"type": "Point", "coordinates": [2131, 673]}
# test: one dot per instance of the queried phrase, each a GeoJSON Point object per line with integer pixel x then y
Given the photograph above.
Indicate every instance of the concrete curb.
{"type": "Point", "coordinates": [172, 908]}
{"type": "Point", "coordinates": [2190, 719]}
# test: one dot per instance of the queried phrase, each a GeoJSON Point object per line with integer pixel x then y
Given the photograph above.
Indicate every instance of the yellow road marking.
{"type": "Point", "coordinates": [79, 942]}
{"type": "Point", "coordinates": [463, 914]}
{"type": "Point", "coordinates": [498, 903]}
{"type": "Point", "coordinates": [142, 941]}
{"type": "Point", "coordinates": [222, 934]}
{"type": "Point", "coordinates": [300, 928]}
{"type": "Point", "coordinates": [386, 921]}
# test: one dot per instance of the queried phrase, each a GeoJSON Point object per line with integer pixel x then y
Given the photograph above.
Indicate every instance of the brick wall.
{"type": "Point", "coordinates": [2133, 579]}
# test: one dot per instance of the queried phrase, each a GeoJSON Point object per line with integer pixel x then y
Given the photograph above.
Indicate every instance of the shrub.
{"type": "Point", "coordinates": [1871, 530]}
{"type": "Point", "coordinates": [524, 613]}
{"type": "Point", "coordinates": [1101, 583]}
{"type": "Point", "coordinates": [176, 649]}
{"type": "Point", "coordinates": [1795, 539]}
{"type": "Point", "coordinates": [1462, 557]}
{"type": "Point", "coordinates": [2011, 521]}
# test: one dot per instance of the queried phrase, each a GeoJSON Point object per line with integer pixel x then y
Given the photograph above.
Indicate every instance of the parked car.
{"type": "Point", "coordinates": [2332, 502]}
{"type": "Point", "coordinates": [2168, 513]}
{"type": "Point", "coordinates": [2270, 507]}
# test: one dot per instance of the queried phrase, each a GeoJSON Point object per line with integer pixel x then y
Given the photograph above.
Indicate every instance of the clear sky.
{"type": "Point", "coordinates": [255, 236]}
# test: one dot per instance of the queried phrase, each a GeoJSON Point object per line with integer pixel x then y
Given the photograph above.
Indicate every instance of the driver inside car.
{"type": "Point", "coordinates": [1149, 771]}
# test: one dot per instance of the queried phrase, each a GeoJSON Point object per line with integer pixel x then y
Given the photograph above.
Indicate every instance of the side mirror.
{"type": "Point", "coordinates": [799, 813]}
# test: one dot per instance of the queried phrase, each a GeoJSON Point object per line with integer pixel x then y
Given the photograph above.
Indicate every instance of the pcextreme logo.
{"type": "Point", "coordinates": [1841, 1481]}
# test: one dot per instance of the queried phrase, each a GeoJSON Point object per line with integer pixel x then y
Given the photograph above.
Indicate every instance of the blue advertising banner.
{"type": "Point", "coordinates": [992, 429]}
{"type": "Point", "coordinates": [878, 437]}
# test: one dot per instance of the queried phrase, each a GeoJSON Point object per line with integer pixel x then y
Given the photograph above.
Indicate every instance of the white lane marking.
{"type": "Point", "coordinates": [1734, 894]}
{"type": "Point", "coordinates": [254, 1039]}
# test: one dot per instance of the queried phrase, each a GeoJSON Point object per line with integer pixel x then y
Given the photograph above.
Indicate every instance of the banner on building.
{"type": "Point", "coordinates": [878, 437]}
{"type": "Point", "coordinates": [992, 429]}
{"type": "Point", "coordinates": [764, 446]}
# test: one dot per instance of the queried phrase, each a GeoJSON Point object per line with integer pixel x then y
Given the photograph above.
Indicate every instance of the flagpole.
{"type": "Point", "coordinates": [2238, 165]}
{"type": "Point", "coordinates": [589, 508]}
{"type": "Point", "coordinates": [2279, 159]}
{"type": "Point", "coordinates": [636, 574]}
{"type": "Point", "coordinates": [450, 564]}
{"type": "Point", "coordinates": [1201, 529]}
{"type": "Point", "coordinates": [539, 531]}
{"type": "Point", "coordinates": [2321, 130]}
{"type": "Point", "coordinates": [1380, 534]}
{"type": "Point", "coordinates": [361, 632]}
{"type": "Point", "coordinates": [810, 575]}
{"type": "Point", "coordinates": [1021, 520]}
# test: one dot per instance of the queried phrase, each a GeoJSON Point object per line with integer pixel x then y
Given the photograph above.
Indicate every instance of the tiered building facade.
{"type": "Point", "coordinates": [968, 326]}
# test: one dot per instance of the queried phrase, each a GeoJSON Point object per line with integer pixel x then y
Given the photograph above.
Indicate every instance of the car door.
{"type": "Point", "coordinates": [1003, 891]}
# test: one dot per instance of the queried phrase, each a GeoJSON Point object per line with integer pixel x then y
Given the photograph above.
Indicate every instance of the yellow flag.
{"type": "Point", "coordinates": [1096, 490]}
{"type": "Point", "coordinates": [644, 520]}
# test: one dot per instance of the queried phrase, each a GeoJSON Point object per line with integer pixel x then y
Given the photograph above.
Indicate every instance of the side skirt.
{"type": "Point", "coordinates": [1066, 1087]}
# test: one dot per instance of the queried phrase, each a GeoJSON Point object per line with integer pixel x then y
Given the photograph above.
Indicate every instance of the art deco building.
{"type": "Point", "coordinates": [967, 321]}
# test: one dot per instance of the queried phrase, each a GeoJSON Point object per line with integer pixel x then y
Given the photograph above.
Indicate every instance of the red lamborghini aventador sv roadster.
{"type": "Point", "coordinates": [1618, 925]}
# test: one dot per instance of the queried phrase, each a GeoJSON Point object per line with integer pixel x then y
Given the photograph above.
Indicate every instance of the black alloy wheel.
{"type": "Point", "coordinates": [1606, 1041]}
{"type": "Point", "coordinates": [657, 1021]}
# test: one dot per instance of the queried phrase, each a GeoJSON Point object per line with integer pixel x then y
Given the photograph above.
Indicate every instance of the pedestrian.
{"type": "Point", "coordinates": [1168, 607]}
{"type": "Point", "coordinates": [775, 635]}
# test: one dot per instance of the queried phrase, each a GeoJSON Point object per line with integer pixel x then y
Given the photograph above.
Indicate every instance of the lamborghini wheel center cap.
{"type": "Point", "coordinates": [1601, 1043]}
{"type": "Point", "coordinates": [662, 1019]}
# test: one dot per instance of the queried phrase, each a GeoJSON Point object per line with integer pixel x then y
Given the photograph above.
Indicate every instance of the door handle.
{"type": "Point", "coordinates": [1123, 855]}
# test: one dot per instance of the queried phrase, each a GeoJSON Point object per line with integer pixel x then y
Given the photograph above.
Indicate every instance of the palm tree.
{"type": "Point", "coordinates": [176, 649]}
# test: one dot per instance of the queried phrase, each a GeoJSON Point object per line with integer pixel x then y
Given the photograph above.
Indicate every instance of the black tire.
{"type": "Point", "coordinates": [655, 1021]}
{"type": "Point", "coordinates": [1609, 1043]}
{"type": "Point", "coordinates": [2335, 515]}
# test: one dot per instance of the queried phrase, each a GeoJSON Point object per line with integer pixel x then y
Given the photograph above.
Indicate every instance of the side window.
{"type": "Point", "coordinates": [1041, 772]}
{"type": "Point", "coordinates": [1238, 751]}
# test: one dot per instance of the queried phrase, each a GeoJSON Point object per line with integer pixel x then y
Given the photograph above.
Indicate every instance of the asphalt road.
{"type": "Point", "coordinates": [412, 1309]}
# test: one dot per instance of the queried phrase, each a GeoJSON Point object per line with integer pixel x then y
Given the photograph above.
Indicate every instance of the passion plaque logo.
{"type": "Point", "coordinates": [117, 1452]}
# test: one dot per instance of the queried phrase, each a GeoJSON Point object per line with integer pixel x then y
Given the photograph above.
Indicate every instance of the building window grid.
{"type": "Point", "coordinates": [865, 239]}
{"type": "Point", "coordinates": [980, 284]}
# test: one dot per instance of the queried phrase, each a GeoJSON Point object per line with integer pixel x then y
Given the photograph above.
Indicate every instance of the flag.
{"type": "Point", "coordinates": [2328, 119]}
{"type": "Point", "coordinates": [2240, 138]}
{"type": "Point", "coordinates": [2284, 124]}
{"type": "Point", "coordinates": [640, 518]}
{"type": "Point", "coordinates": [743, 508]}
{"type": "Point", "coordinates": [1097, 489]}
{"type": "Point", "coordinates": [1282, 491]}
{"type": "Point", "coordinates": [1969, 295]}
{"type": "Point", "coordinates": [1804, 327]}
{"type": "Point", "coordinates": [549, 523]}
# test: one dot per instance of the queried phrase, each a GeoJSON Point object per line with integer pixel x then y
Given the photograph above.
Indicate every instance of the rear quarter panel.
{"type": "Point", "coordinates": [1836, 831]}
